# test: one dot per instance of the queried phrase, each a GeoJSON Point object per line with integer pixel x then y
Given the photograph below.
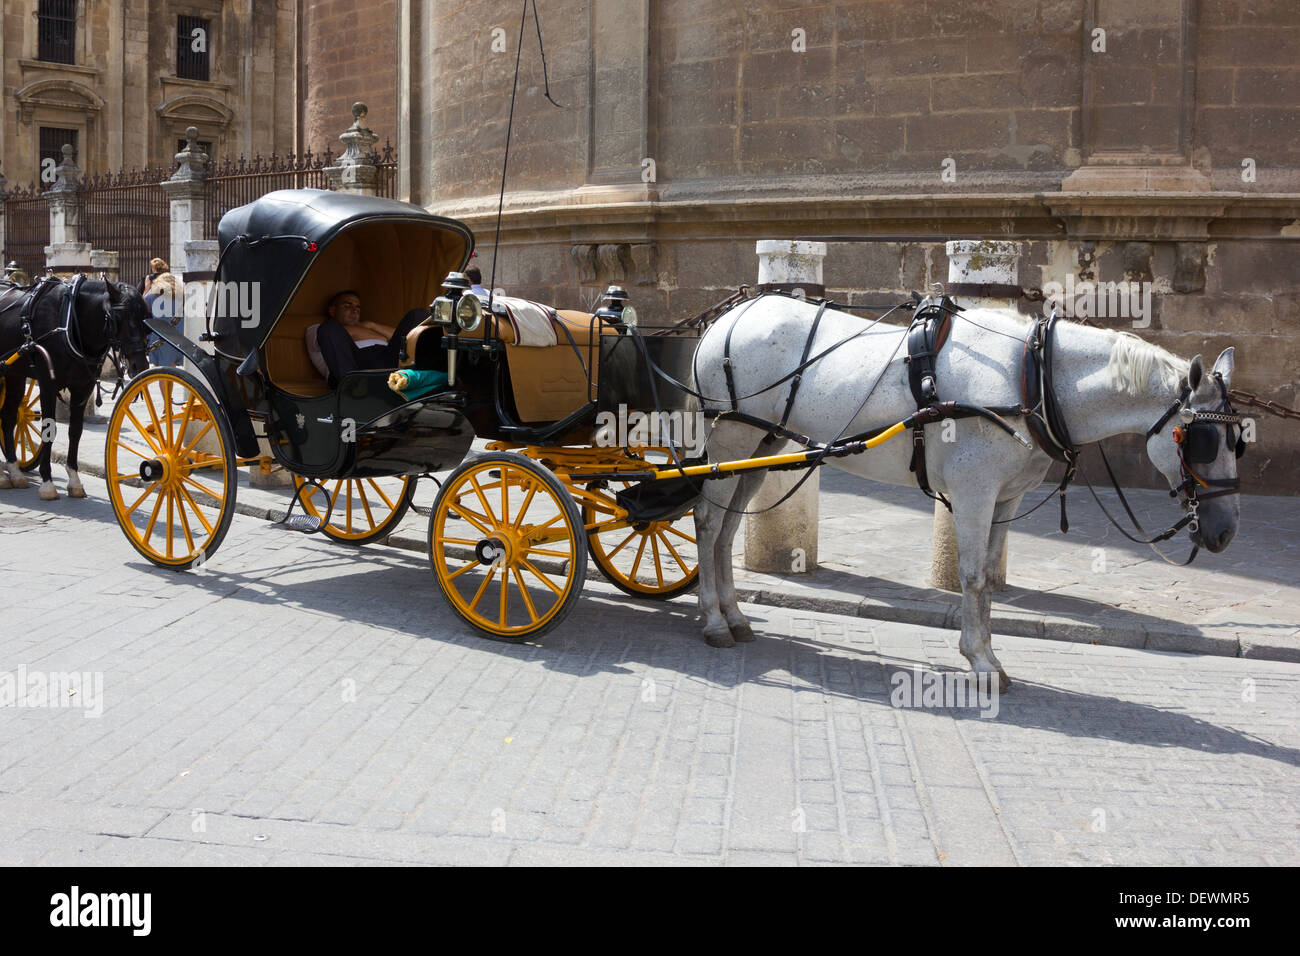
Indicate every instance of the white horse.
{"type": "Point", "coordinates": [1107, 383]}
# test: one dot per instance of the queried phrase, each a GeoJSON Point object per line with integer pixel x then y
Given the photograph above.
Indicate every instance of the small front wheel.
{"type": "Point", "coordinates": [170, 468]}
{"type": "Point", "coordinates": [507, 546]}
{"type": "Point", "coordinates": [651, 559]}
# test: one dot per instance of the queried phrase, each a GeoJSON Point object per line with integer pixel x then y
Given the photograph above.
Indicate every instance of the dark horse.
{"type": "Point", "coordinates": [74, 326]}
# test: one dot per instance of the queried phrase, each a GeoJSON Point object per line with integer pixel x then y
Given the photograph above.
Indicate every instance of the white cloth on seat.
{"type": "Point", "coordinates": [314, 352]}
{"type": "Point", "coordinates": [534, 323]}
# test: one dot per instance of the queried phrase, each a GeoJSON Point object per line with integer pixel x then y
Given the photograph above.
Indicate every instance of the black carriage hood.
{"type": "Point", "coordinates": [278, 240]}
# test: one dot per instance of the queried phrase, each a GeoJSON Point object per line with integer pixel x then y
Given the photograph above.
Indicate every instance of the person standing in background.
{"type": "Point", "coordinates": [165, 299]}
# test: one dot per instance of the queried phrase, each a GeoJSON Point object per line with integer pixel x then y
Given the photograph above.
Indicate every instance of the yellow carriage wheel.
{"type": "Point", "coordinates": [170, 467]}
{"type": "Point", "coordinates": [364, 509]}
{"type": "Point", "coordinates": [27, 434]}
{"type": "Point", "coordinates": [506, 542]}
{"type": "Point", "coordinates": [655, 559]}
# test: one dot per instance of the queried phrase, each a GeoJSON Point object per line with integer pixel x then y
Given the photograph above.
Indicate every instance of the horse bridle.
{"type": "Point", "coordinates": [1197, 438]}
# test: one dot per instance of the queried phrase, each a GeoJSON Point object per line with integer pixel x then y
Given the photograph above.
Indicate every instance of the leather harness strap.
{"type": "Point", "coordinates": [798, 376]}
{"type": "Point", "coordinates": [925, 337]}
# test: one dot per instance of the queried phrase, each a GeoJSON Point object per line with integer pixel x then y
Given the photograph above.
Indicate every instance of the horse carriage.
{"type": "Point", "coordinates": [511, 528]}
{"type": "Point", "coordinates": [563, 479]}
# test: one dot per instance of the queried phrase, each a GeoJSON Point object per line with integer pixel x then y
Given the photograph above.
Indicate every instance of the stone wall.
{"type": "Point", "coordinates": [348, 54]}
{"type": "Point", "coordinates": [1165, 154]}
{"type": "Point", "coordinates": [123, 97]}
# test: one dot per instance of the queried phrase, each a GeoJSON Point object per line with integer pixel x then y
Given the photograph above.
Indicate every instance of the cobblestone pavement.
{"type": "Point", "coordinates": [299, 702]}
{"type": "Point", "coordinates": [1090, 585]}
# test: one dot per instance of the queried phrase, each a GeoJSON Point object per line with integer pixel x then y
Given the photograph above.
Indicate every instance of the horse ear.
{"type": "Point", "coordinates": [114, 293]}
{"type": "Point", "coordinates": [1225, 363]}
{"type": "Point", "coordinates": [1194, 374]}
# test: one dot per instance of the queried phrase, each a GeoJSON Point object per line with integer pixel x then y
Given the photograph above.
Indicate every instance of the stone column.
{"type": "Point", "coordinates": [356, 170]}
{"type": "Point", "coordinates": [784, 539]}
{"type": "Point", "coordinates": [200, 271]}
{"type": "Point", "coordinates": [66, 254]}
{"type": "Point", "coordinates": [985, 262]}
{"type": "Point", "coordinates": [185, 196]}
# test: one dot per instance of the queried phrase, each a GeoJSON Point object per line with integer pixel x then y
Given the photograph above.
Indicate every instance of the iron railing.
{"type": "Point", "coordinates": [234, 183]}
{"type": "Point", "coordinates": [27, 229]}
{"type": "Point", "coordinates": [128, 213]}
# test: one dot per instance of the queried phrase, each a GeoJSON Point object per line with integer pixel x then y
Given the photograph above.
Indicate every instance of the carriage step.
{"type": "Point", "coordinates": [307, 524]}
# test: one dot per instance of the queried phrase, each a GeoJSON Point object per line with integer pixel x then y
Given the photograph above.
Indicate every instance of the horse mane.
{"type": "Point", "coordinates": [1133, 361]}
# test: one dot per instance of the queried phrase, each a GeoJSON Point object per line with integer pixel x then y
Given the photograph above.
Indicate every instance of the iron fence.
{"type": "Point", "coordinates": [127, 213]}
{"type": "Point", "coordinates": [27, 229]}
{"type": "Point", "coordinates": [234, 183]}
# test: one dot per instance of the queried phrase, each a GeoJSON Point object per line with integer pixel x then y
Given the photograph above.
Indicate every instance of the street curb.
{"type": "Point", "coordinates": [1183, 639]}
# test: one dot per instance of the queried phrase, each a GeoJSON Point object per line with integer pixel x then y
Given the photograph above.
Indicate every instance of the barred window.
{"type": "Point", "coordinates": [56, 31]}
{"type": "Point", "coordinates": [52, 139]}
{"type": "Point", "coordinates": [193, 36]}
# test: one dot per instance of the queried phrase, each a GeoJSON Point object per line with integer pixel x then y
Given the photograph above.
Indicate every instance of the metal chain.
{"type": "Point", "coordinates": [1247, 398]}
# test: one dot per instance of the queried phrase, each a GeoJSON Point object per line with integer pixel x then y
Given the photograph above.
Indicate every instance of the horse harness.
{"type": "Point", "coordinates": [69, 328]}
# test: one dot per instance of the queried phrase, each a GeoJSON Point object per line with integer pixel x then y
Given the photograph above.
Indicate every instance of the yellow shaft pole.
{"type": "Point", "coordinates": [746, 464]}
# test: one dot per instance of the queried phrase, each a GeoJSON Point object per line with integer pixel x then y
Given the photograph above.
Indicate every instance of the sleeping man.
{"type": "Point", "coordinates": [347, 343]}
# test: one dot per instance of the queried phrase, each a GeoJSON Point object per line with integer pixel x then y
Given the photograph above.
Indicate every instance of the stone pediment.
{"type": "Point", "coordinates": [59, 93]}
{"type": "Point", "coordinates": [197, 109]}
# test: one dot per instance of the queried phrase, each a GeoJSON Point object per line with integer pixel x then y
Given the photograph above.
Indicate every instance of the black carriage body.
{"type": "Point", "coordinates": [627, 381]}
{"type": "Point", "coordinates": [283, 258]}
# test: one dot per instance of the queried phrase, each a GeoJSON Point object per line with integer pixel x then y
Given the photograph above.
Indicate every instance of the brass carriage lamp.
{"type": "Point", "coordinates": [455, 306]}
{"type": "Point", "coordinates": [459, 310]}
{"type": "Point", "coordinates": [616, 309]}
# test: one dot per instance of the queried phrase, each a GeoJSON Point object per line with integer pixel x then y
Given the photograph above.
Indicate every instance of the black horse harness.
{"type": "Point", "coordinates": [69, 328]}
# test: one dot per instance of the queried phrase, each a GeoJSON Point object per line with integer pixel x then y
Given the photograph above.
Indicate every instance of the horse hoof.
{"type": "Point", "coordinates": [77, 492]}
{"type": "Point", "coordinates": [49, 494]}
{"type": "Point", "coordinates": [5, 482]}
{"type": "Point", "coordinates": [1004, 682]}
{"type": "Point", "coordinates": [19, 483]}
{"type": "Point", "coordinates": [742, 633]}
{"type": "Point", "coordinates": [720, 640]}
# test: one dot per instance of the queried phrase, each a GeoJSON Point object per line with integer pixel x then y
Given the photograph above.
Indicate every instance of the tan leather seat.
{"type": "Point", "coordinates": [551, 383]}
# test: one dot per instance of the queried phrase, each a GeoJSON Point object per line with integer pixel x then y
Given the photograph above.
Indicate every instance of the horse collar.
{"type": "Point", "coordinates": [1044, 416]}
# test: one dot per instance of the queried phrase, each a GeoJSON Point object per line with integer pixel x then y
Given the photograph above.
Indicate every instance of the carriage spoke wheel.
{"type": "Point", "coordinates": [363, 509]}
{"type": "Point", "coordinates": [27, 435]}
{"type": "Point", "coordinates": [170, 467]}
{"type": "Point", "coordinates": [506, 542]}
{"type": "Point", "coordinates": [655, 559]}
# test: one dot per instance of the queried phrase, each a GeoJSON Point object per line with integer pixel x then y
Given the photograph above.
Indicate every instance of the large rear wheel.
{"type": "Point", "coordinates": [361, 510]}
{"type": "Point", "coordinates": [506, 542]}
{"type": "Point", "coordinates": [170, 467]}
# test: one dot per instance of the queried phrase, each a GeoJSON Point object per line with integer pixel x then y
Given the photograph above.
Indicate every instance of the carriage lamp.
{"type": "Point", "coordinates": [616, 309]}
{"type": "Point", "coordinates": [444, 307]}
{"type": "Point", "coordinates": [469, 313]}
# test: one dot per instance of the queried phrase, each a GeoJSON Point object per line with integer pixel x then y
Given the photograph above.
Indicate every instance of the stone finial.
{"type": "Point", "coordinates": [67, 173]}
{"type": "Point", "coordinates": [356, 170]}
{"type": "Point", "coordinates": [358, 139]}
{"type": "Point", "coordinates": [191, 162]}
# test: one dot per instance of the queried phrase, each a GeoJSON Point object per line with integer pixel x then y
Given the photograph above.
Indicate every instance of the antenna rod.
{"type": "Point", "coordinates": [501, 201]}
